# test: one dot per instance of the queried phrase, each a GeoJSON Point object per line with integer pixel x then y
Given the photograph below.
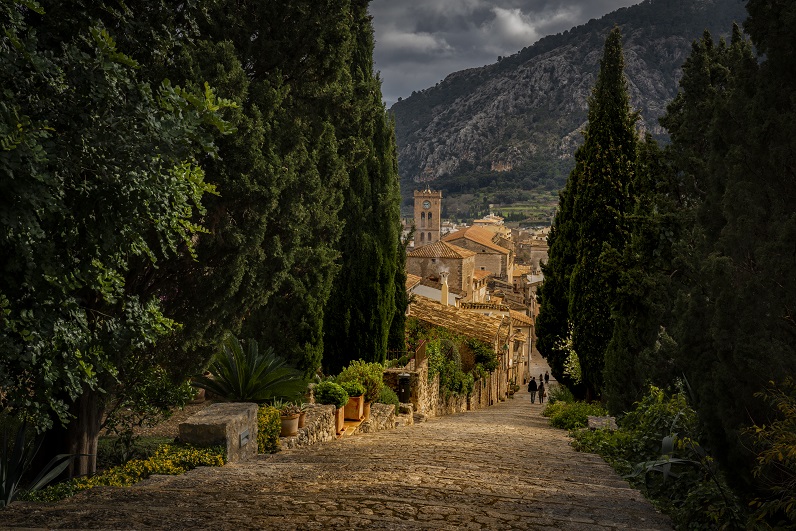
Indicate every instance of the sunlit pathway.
{"type": "Point", "coordinates": [498, 468]}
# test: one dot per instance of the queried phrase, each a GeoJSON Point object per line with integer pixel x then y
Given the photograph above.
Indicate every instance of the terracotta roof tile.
{"type": "Point", "coordinates": [441, 249]}
{"type": "Point", "coordinates": [412, 281]}
{"type": "Point", "coordinates": [479, 275]}
{"type": "Point", "coordinates": [478, 235]}
{"type": "Point", "coordinates": [520, 319]}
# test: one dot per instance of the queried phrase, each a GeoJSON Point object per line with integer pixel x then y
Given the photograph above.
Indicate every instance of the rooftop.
{"type": "Point", "coordinates": [469, 324]}
{"type": "Point", "coordinates": [478, 235]}
{"type": "Point", "coordinates": [441, 249]}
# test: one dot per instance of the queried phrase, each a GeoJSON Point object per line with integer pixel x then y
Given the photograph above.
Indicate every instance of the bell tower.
{"type": "Point", "coordinates": [428, 209]}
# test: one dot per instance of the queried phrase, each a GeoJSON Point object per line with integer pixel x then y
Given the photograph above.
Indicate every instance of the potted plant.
{"type": "Point", "coordinates": [355, 408]}
{"type": "Point", "coordinates": [289, 415]}
{"type": "Point", "coordinates": [370, 375]}
{"type": "Point", "coordinates": [303, 414]}
{"type": "Point", "coordinates": [331, 393]}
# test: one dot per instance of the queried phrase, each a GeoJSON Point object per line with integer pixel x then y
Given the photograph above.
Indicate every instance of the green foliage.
{"type": "Point", "coordinates": [353, 388]}
{"type": "Point", "coordinates": [167, 460]}
{"type": "Point", "coordinates": [113, 451]}
{"type": "Point", "coordinates": [559, 393]}
{"type": "Point", "coordinates": [251, 376]}
{"type": "Point", "coordinates": [775, 446]}
{"type": "Point", "coordinates": [363, 300]}
{"type": "Point", "coordinates": [330, 393]}
{"type": "Point", "coordinates": [656, 449]}
{"type": "Point", "coordinates": [369, 374]}
{"type": "Point", "coordinates": [388, 396]}
{"type": "Point", "coordinates": [604, 169]}
{"type": "Point", "coordinates": [15, 460]}
{"type": "Point", "coordinates": [444, 360]}
{"type": "Point", "coordinates": [269, 426]}
{"type": "Point", "coordinates": [484, 354]}
{"type": "Point", "coordinates": [572, 415]}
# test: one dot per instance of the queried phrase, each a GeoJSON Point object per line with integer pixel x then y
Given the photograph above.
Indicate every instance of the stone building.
{"type": "Point", "coordinates": [490, 256]}
{"type": "Point", "coordinates": [430, 261]}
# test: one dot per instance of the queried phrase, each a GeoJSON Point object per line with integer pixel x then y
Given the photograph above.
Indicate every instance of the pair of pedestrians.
{"type": "Point", "coordinates": [536, 388]}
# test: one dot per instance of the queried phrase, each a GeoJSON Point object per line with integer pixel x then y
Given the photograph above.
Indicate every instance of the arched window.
{"type": "Point", "coordinates": [423, 220]}
{"type": "Point", "coordinates": [429, 221]}
{"type": "Point", "coordinates": [421, 237]}
{"type": "Point", "coordinates": [429, 237]}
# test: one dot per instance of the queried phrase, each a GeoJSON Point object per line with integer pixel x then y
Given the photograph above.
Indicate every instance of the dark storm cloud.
{"type": "Point", "coordinates": [419, 42]}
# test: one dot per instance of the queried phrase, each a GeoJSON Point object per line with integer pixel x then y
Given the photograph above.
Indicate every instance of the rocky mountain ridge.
{"type": "Point", "coordinates": [516, 123]}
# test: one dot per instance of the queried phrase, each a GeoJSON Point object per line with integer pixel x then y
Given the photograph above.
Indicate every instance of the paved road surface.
{"type": "Point", "coordinates": [498, 468]}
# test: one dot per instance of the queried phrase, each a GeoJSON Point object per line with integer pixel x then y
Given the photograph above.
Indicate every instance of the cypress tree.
{"type": "Point", "coordinates": [363, 298]}
{"type": "Point", "coordinates": [552, 324]}
{"type": "Point", "coordinates": [604, 169]}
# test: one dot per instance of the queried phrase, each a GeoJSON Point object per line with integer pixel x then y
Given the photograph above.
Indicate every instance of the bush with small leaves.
{"type": "Point", "coordinates": [331, 393]}
{"type": "Point", "coordinates": [268, 427]}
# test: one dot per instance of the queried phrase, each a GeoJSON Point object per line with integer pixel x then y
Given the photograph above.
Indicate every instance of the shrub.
{"type": "Point", "coordinates": [656, 449]}
{"type": "Point", "coordinates": [251, 376]}
{"type": "Point", "coordinates": [168, 460]}
{"type": "Point", "coordinates": [114, 451]}
{"type": "Point", "coordinates": [484, 354]}
{"type": "Point", "coordinates": [268, 427]}
{"type": "Point", "coordinates": [775, 444]}
{"type": "Point", "coordinates": [331, 393]}
{"type": "Point", "coordinates": [559, 393]}
{"type": "Point", "coordinates": [388, 396]}
{"type": "Point", "coordinates": [369, 374]}
{"type": "Point", "coordinates": [574, 415]}
{"type": "Point", "coordinates": [353, 388]}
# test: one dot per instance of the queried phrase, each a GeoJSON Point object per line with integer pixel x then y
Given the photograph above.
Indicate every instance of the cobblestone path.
{"type": "Point", "coordinates": [498, 468]}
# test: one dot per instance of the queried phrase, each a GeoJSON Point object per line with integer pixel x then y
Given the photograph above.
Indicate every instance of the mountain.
{"type": "Point", "coordinates": [514, 125]}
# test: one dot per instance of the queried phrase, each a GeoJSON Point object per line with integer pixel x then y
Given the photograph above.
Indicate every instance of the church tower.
{"type": "Point", "coordinates": [428, 209]}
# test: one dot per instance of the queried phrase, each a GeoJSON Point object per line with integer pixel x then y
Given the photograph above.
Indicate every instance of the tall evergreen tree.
{"type": "Point", "coordinates": [362, 304]}
{"type": "Point", "coordinates": [553, 324]}
{"type": "Point", "coordinates": [604, 168]}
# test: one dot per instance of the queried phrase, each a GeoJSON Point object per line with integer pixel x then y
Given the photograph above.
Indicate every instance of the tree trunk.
{"type": "Point", "coordinates": [84, 431]}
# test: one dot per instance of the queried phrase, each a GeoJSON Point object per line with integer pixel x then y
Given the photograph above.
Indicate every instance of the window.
{"type": "Point", "coordinates": [429, 220]}
{"type": "Point", "coordinates": [421, 237]}
{"type": "Point", "coordinates": [429, 237]}
{"type": "Point", "coordinates": [423, 219]}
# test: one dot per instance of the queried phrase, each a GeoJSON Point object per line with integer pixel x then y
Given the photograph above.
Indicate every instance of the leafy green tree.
{"type": "Point", "coordinates": [604, 168]}
{"type": "Point", "coordinates": [363, 298]}
{"type": "Point", "coordinates": [100, 179]}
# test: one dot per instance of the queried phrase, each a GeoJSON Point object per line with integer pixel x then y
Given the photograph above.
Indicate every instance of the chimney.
{"type": "Point", "coordinates": [444, 297]}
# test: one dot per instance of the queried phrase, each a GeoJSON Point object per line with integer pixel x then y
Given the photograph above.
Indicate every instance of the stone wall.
{"type": "Point", "coordinates": [319, 427]}
{"type": "Point", "coordinates": [382, 417]}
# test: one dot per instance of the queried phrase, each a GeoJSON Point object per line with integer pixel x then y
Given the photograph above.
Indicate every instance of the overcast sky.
{"type": "Point", "coordinates": [419, 42]}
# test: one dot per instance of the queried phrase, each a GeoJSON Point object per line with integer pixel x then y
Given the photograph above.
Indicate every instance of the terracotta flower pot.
{"type": "Point", "coordinates": [289, 425]}
{"type": "Point", "coordinates": [354, 410]}
{"type": "Point", "coordinates": [302, 419]}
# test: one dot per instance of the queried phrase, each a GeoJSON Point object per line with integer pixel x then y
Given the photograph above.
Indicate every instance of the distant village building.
{"type": "Point", "coordinates": [430, 261]}
{"type": "Point", "coordinates": [490, 256]}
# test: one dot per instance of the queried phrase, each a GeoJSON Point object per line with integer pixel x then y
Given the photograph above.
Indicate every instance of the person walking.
{"type": "Point", "coordinates": [546, 377]}
{"type": "Point", "coordinates": [532, 388]}
{"type": "Point", "coordinates": [541, 392]}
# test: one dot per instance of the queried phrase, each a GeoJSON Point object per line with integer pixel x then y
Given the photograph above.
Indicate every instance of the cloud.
{"type": "Point", "coordinates": [418, 43]}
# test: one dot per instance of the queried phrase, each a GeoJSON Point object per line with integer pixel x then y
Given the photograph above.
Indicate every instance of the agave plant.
{"type": "Point", "coordinates": [248, 375]}
{"type": "Point", "coordinates": [14, 463]}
